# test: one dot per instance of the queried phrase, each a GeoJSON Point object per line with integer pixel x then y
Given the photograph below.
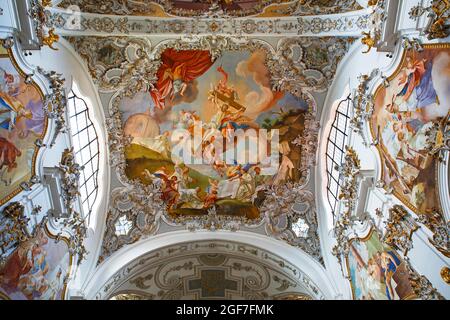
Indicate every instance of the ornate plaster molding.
{"type": "Point", "coordinates": [134, 70]}
{"type": "Point", "coordinates": [74, 224]}
{"type": "Point", "coordinates": [349, 24]}
{"type": "Point", "coordinates": [438, 14]}
{"type": "Point", "coordinates": [349, 197]}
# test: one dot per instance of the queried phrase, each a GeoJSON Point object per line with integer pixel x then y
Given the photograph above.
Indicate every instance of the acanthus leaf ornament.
{"type": "Point", "coordinates": [216, 9]}
{"type": "Point", "coordinates": [440, 229]}
{"type": "Point", "coordinates": [50, 39]}
{"type": "Point", "coordinates": [73, 221]}
{"type": "Point", "coordinates": [13, 228]}
{"type": "Point", "coordinates": [438, 14]}
{"type": "Point", "coordinates": [135, 67]}
{"type": "Point", "coordinates": [281, 211]}
{"type": "Point", "coordinates": [56, 102]}
{"type": "Point", "coordinates": [422, 286]}
{"type": "Point", "coordinates": [399, 229]}
{"type": "Point", "coordinates": [445, 274]}
{"type": "Point", "coordinates": [350, 173]}
{"type": "Point", "coordinates": [376, 20]}
{"type": "Point", "coordinates": [363, 105]}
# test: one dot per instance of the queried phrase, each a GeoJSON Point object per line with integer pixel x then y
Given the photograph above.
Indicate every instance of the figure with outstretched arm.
{"type": "Point", "coordinates": [178, 69]}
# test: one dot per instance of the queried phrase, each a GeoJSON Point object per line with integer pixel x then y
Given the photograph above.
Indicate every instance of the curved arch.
{"type": "Point", "coordinates": [352, 65]}
{"type": "Point", "coordinates": [72, 68]}
{"type": "Point", "coordinates": [122, 258]}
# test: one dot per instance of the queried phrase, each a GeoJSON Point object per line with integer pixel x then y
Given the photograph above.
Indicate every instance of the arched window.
{"type": "Point", "coordinates": [337, 140]}
{"type": "Point", "coordinates": [86, 148]}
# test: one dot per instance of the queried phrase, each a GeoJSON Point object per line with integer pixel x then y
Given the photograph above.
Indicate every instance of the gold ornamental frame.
{"type": "Point", "coordinates": [9, 54]}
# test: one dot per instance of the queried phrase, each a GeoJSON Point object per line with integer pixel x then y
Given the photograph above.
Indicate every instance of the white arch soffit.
{"type": "Point", "coordinates": [293, 255]}
{"type": "Point", "coordinates": [352, 65]}
{"type": "Point", "coordinates": [67, 62]}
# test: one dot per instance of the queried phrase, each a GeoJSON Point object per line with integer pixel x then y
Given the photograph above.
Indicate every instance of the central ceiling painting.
{"type": "Point", "coordinates": [213, 132]}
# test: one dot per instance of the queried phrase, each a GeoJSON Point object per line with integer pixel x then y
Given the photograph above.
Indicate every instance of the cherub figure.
{"type": "Point", "coordinates": [368, 41]}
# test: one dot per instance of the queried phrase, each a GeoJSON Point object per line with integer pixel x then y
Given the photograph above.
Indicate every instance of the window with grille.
{"type": "Point", "coordinates": [335, 153]}
{"type": "Point", "coordinates": [86, 148]}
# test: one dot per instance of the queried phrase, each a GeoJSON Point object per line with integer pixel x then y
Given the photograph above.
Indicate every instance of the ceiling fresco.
{"type": "Point", "coordinates": [208, 8]}
{"type": "Point", "coordinates": [228, 94]}
{"type": "Point", "coordinates": [37, 264]}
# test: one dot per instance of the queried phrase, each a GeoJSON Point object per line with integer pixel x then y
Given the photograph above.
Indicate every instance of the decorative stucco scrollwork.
{"type": "Point", "coordinates": [138, 72]}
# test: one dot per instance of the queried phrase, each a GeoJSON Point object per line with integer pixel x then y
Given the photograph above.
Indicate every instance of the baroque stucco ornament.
{"type": "Point", "coordinates": [133, 70]}
{"type": "Point", "coordinates": [74, 223]}
{"type": "Point", "coordinates": [438, 14]}
{"type": "Point", "coordinates": [214, 8]}
{"type": "Point", "coordinates": [71, 22]}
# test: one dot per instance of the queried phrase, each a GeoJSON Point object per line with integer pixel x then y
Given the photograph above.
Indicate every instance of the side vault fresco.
{"type": "Point", "coordinates": [214, 99]}
{"type": "Point", "coordinates": [22, 122]}
{"type": "Point", "coordinates": [409, 120]}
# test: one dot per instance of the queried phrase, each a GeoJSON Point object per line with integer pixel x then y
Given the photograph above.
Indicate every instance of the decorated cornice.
{"type": "Point", "coordinates": [440, 229]}
{"type": "Point", "coordinates": [348, 196]}
{"type": "Point", "coordinates": [438, 14]}
{"type": "Point", "coordinates": [378, 15]}
{"type": "Point", "coordinates": [213, 8]}
{"type": "Point", "coordinates": [68, 23]}
{"type": "Point", "coordinates": [55, 103]}
{"type": "Point", "coordinates": [399, 229]}
{"type": "Point", "coordinates": [43, 29]}
{"type": "Point", "coordinates": [153, 271]}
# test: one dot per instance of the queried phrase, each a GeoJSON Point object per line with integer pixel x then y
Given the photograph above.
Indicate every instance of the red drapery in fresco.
{"type": "Point", "coordinates": [184, 65]}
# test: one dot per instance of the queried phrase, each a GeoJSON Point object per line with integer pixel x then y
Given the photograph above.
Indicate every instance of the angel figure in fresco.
{"type": "Point", "coordinates": [170, 185]}
{"type": "Point", "coordinates": [34, 284]}
{"type": "Point", "coordinates": [223, 86]}
{"type": "Point", "coordinates": [8, 155]}
{"type": "Point", "coordinates": [369, 277]}
{"type": "Point", "coordinates": [11, 109]}
{"type": "Point", "coordinates": [416, 88]}
{"type": "Point", "coordinates": [182, 174]}
{"type": "Point", "coordinates": [187, 120]}
{"type": "Point", "coordinates": [212, 196]}
{"type": "Point", "coordinates": [286, 167]}
{"type": "Point", "coordinates": [178, 69]}
{"type": "Point", "coordinates": [26, 268]}
{"type": "Point", "coordinates": [17, 264]}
